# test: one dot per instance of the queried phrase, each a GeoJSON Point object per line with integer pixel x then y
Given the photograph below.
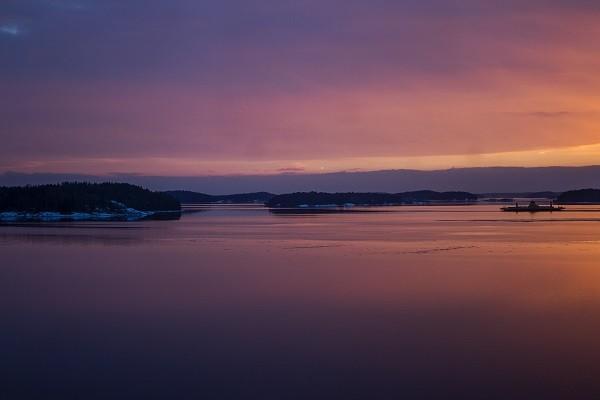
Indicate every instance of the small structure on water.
{"type": "Point", "coordinates": [533, 207]}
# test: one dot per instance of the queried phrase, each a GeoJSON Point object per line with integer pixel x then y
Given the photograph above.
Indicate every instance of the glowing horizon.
{"type": "Point", "coordinates": [577, 156]}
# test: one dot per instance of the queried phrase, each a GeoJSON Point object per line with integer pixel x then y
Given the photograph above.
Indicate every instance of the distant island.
{"type": "Point", "coordinates": [582, 196]}
{"type": "Point", "coordinates": [186, 196]}
{"type": "Point", "coordinates": [123, 201]}
{"type": "Point", "coordinates": [84, 201]}
{"type": "Point", "coordinates": [316, 199]}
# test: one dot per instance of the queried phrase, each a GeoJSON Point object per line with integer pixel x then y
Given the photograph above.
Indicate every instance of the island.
{"type": "Point", "coordinates": [320, 199]}
{"type": "Point", "coordinates": [85, 201]}
{"type": "Point", "coordinates": [581, 196]}
{"type": "Point", "coordinates": [188, 197]}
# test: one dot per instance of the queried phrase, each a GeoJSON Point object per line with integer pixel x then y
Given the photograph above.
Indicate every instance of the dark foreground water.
{"type": "Point", "coordinates": [420, 302]}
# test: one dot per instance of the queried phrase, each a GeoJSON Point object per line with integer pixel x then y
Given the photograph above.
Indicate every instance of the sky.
{"type": "Point", "coordinates": [218, 87]}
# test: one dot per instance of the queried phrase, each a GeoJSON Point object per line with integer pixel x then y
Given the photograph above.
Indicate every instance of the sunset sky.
{"type": "Point", "coordinates": [191, 87]}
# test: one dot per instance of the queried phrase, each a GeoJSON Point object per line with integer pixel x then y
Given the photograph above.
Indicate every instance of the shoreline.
{"type": "Point", "coordinates": [129, 214]}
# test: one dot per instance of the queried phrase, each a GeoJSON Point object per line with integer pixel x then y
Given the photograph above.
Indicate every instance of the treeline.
{"type": "Point", "coordinates": [526, 195]}
{"type": "Point", "coordinates": [84, 197]}
{"type": "Point", "coordinates": [186, 196]}
{"type": "Point", "coordinates": [340, 199]}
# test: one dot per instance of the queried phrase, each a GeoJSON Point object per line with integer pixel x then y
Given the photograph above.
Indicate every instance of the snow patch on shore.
{"type": "Point", "coordinates": [129, 214]}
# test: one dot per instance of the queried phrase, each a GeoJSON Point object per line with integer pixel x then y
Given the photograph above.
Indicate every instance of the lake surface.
{"type": "Point", "coordinates": [235, 302]}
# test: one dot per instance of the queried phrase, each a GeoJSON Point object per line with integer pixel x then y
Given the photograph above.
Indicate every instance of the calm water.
{"type": "Point", "coordinates": [410, 302]}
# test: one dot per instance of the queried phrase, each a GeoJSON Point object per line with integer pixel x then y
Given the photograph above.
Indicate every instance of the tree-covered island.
{"type": "Point", "coordinates": [316, 199]}
{"type": "Point", "coordinates": [80, 200]}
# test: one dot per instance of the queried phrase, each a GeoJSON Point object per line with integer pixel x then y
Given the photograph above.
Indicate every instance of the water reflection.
{"type": "Point", "coordinates": [247, 304]}
{"type": "Point", "coordinates": [324, 210]}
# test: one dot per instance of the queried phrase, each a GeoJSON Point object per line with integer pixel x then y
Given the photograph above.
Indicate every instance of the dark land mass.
{"type": "Point", "coordinates": [185, 196]}
{"type": "Point", "coordinates": [311, 199]}
{"type": "Point", "coordinates": [521, 195]}
{"type": "Point", "coordinates": [76, 197]}
{"type": "Point", "coordinates": [582, 196]}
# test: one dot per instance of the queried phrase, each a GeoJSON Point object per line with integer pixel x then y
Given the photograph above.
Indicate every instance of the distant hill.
{"type": "Point", "coordinates": [528, 195]}
{"type": "Point", "coordinates": [473, 180]}
{"type": "Point", "coordinates": [84, 197]}
{"type": "Point", "coordinates": [580, 196]}
{"type": "Point", "coordinates": [319, 198]}
{"type": "Point", "coordinates": [185, 196]}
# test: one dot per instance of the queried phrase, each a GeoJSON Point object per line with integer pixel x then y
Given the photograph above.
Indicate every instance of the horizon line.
{"type": "Point", "coordinates": [290, 173]}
